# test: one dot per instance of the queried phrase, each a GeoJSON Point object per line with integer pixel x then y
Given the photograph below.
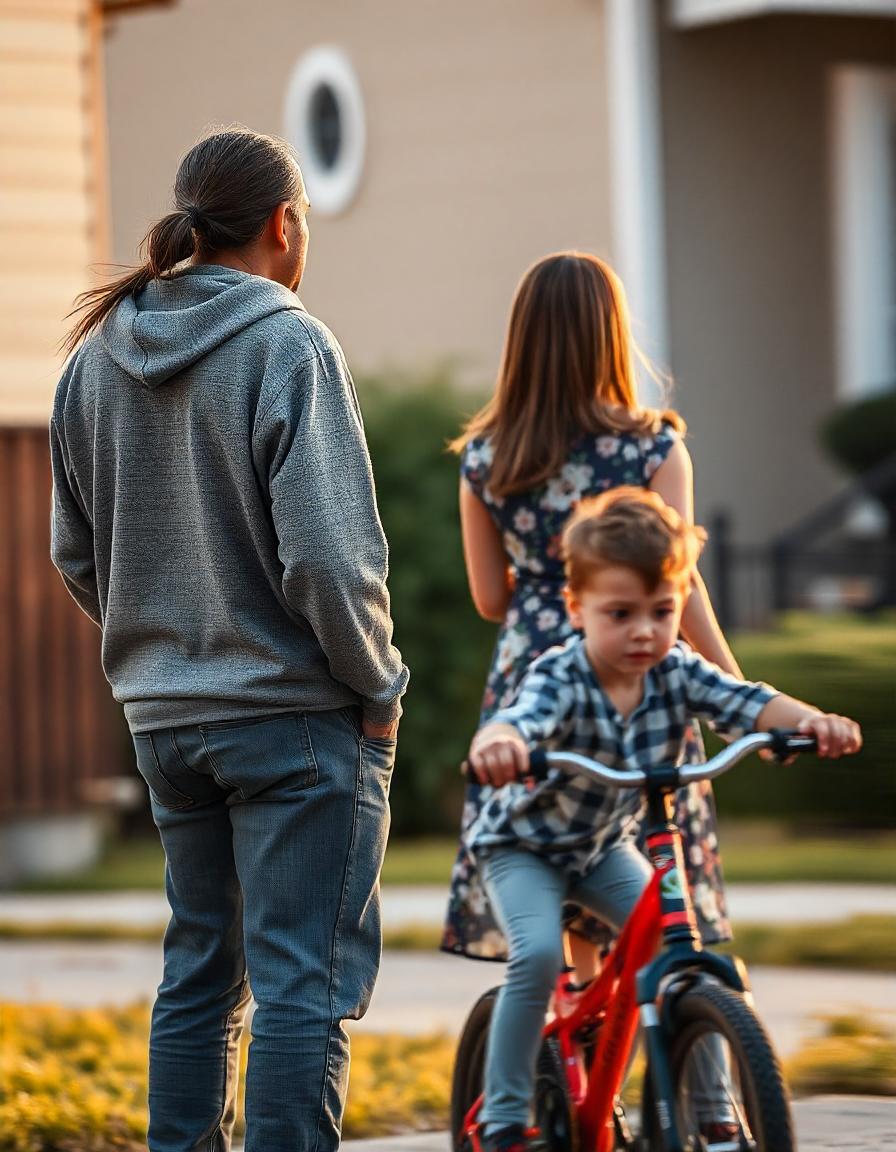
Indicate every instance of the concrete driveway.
{"type": "Point", "coordinates": [824, 1123]}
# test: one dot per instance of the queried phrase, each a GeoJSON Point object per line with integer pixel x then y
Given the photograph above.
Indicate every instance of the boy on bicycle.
{"type": "Point", "coordinates": [621, 692]}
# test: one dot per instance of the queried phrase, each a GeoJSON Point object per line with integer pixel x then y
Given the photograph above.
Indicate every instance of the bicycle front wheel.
{"type": "Point", "coordinates": [729, 1090]}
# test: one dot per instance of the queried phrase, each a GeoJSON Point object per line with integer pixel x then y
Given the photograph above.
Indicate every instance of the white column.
{"type": "Point", "coordinates": [636, 170]}
{"type": "Point", "coordinates": [864, 180]}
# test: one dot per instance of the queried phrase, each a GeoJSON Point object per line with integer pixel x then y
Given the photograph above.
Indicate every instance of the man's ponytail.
{"type": "Point", "coordinates": [166, 244]}
{"type": "Point", "coordinates": [226, 188]}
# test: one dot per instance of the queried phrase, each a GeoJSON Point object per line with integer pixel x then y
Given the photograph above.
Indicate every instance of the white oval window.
{"type": "Point", "coordinates": [325, 123]}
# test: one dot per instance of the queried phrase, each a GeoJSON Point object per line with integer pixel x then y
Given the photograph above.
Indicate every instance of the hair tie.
{"type": "Point", "coordinates": [195, 217]}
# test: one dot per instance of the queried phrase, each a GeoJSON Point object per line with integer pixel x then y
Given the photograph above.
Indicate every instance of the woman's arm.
{"type": "Point", "coordinates": [674, 481]}
{"type": "Point", "coordinates": [488, 573]}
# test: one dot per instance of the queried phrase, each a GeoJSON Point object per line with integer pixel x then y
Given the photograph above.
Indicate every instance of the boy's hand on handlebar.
{"type": "Point", "coordinates": [836, 735]}
{"type": "Point", "coordinates": [498, 755]}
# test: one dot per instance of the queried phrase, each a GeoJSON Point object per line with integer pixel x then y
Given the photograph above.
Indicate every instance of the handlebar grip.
{"type": "Point", "coordinates": [538, 766]}
{"type": "Point", "coordinates": [787, 741]}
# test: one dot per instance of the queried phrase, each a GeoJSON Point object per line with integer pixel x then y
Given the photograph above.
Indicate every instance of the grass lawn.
{"type": "Point", "coordinates": [762, 853]}
{"type": "Point", "coordinates": [766, 853]}
{"type": "Point", "coordinates": [861, 943]}
{"type": "Point", "coordinates": [754, 852]}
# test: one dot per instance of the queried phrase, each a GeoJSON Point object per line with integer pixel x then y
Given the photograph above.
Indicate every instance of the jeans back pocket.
{"type": "Point", "coordinates": [161, 788]}
{"type": "Point", "coordinates": [251, 757]}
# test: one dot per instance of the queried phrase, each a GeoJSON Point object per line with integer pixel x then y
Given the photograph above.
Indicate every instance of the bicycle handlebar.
{"type": "Point", "coordinates": [783, 742]}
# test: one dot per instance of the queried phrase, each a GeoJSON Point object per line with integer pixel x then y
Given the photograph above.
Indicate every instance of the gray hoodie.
{"type": "Point", "coordinates": [214, 510]}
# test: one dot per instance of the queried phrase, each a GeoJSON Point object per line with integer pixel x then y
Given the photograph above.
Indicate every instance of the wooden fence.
{"type": "Point", "coordinates": [60, 730]}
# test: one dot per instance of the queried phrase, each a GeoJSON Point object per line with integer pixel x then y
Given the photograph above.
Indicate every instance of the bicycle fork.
{"type": "Point", "coordinates": [660, 1077]}
{"type": "Point", "coordinates": [682, 953]}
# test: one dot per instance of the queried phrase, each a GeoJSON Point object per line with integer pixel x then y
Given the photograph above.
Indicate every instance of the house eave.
{"type": "Point", "coordinates": [112, 6]}
{"type": "Point", "coordinates": [696, 13]}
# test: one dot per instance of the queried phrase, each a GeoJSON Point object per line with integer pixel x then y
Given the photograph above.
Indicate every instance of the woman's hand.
{"type": "Point", "coordinates": [836, 735]}
{"type": "Point", "coordinates": [498, 755]}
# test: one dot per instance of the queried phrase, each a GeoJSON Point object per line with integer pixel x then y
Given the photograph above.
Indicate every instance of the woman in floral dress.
{"type": "Point", "coordinates": [564, 424]}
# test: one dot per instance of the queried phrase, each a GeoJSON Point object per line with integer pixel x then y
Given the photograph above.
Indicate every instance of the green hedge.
{"type": "Point", "coordinates": [443, 641]}
{"type": "Point", "coordinates": [842, 664]}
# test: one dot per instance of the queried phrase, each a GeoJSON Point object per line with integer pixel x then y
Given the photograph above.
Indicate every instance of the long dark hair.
{"type": "Point", "coordinates": [567, 370]}
{"type": "Point", "coordinates": [225, 190]}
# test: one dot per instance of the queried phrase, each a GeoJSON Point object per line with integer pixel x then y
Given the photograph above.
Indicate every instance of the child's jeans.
{"type": "Point", "coordinates": [527, 894]}
{"type": "Point", "coordinates": [274, 832]}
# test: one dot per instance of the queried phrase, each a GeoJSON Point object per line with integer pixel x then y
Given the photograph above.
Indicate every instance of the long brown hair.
{"type": "Point", "coordinates": [567, 371]}
{"type": "Point", "coordinates": [225, 190]}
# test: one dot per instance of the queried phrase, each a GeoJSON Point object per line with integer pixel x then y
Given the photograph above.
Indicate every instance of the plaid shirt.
{"type": "Point", "coordinates": [560, 705]}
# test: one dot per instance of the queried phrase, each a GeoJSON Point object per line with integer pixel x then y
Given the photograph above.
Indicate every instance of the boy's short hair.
{"type": "Point", "coordinates": [630, 528]}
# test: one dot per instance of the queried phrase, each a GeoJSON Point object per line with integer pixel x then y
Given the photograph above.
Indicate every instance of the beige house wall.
{"type": "Point", "coordinates": [747, 147]}
{"type": "Point", "coordinates": [52, 205]}
{"type": "Point", "coordinates": [486, 148]}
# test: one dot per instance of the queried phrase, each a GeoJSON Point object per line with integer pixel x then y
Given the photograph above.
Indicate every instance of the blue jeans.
{"type": "Point", "coordinates": [274, 832]}
{"type": "Point", "coordinates": [526, 894]}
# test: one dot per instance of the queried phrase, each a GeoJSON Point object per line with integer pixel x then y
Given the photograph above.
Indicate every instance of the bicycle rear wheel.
{"type": "Point", "coordinates": [729, 1091]}
{"type": "Point", "coordinates": [469, 1064]}
{"type": "Point", "coordinates": [552, 1107]}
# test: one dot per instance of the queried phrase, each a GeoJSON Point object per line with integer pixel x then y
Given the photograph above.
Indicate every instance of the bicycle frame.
{"type": "Point", "coordinates": [611, 1000]}
{"type": "Point", "coordinates": [628, 988]}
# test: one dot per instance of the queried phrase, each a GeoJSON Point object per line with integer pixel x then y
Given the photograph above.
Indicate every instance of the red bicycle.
{"type": "Point", "coordinates": [711, 1081]}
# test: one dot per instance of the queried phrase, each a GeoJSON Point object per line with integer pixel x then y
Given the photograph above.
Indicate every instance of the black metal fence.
{"type": "Point", "coordinates": [818, 564]}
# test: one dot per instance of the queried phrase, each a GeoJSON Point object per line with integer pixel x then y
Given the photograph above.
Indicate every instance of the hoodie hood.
{"type": "Point", "coordinates": [176, 321]}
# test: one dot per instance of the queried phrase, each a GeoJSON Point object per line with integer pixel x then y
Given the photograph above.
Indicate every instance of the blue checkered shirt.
{"type": "Point", "coordinates": [560, 705]}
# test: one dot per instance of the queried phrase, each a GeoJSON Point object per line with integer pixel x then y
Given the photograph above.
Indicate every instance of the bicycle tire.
{"type": "Point", "coordinates": [708, 1007]}
{"type": "Point", "coordinates": [469, 1064]}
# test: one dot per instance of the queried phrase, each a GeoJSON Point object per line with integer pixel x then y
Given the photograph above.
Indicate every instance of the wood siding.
{"type": "Point", "coordinates": [60, 727]}
{"type": "Point", "coordinates": [52, 189]}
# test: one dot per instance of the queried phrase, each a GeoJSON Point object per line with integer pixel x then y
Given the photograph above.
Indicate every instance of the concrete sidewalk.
{"type": "Point", "coordinates": [749, 903]}
{"type": "Point", "coordinates": [417, 992]}
{"type": "Point", "coordinates": [847, 1123]}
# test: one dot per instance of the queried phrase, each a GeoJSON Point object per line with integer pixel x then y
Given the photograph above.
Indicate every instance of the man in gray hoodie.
{"type": "Point", "coordinates": [214, 514]}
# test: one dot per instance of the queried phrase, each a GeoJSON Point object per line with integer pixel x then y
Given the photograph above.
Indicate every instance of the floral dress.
{"type": "Point", "coordinates": [531, 524]}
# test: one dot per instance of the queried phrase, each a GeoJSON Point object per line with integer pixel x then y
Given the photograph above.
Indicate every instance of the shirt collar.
{"type": "Point", "coordinates": [651, 683]}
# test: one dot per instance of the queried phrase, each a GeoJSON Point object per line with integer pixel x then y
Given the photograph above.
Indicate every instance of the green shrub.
{"type": "Point", "coordinates": [862, 434]}
{"type": "Point", "coordinates": [840, 664]}
{"type": "Point", "coordinates": [443, 641]}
